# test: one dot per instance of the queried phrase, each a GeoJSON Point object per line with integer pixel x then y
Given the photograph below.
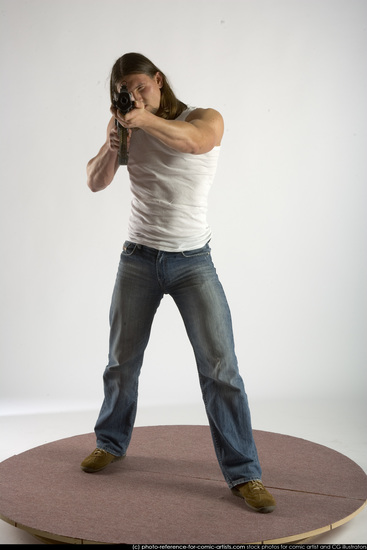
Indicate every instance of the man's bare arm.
{"type": "Point", "coordinates": [102, 168]}
{"type": "Point", "coordinates": [199, 133]}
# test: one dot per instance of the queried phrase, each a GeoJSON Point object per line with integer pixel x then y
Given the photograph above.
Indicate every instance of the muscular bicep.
{"type": "Point", "coordinates": [210, 126]}
{"type": "Point", "coordinates": [199, 133]}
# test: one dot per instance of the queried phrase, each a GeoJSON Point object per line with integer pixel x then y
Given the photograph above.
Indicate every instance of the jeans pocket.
{"type": "Point", "coordinates": [203, 251]}
{"type": "Point", "coordinates": [128, 248]}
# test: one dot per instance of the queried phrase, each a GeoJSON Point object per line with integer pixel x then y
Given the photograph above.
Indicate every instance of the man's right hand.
{"type": "Point", "coordinates": [114, 141]}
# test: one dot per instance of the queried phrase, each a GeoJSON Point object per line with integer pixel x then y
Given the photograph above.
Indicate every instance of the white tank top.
{"type": "Point", "coordinates": [170, 193]}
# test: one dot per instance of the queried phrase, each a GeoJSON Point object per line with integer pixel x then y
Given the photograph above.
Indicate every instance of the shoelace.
{"type": "Point", "coordinates": [257, 485]}
{"type": "Point", "coordinates": [99, 452]}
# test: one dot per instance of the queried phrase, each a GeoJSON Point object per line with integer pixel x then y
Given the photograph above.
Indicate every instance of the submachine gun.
{"type": "Point", "coordinates": [124, 103]}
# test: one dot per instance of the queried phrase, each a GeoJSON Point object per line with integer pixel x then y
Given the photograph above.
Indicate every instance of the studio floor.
{"type": "Point", "coordinates": [337, 424]}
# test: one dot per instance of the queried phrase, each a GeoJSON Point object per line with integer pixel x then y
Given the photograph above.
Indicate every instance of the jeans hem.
{"type": "Point", "coordinates": [241, 481]}
{"type": "Point", "coordinates": [104, 448]}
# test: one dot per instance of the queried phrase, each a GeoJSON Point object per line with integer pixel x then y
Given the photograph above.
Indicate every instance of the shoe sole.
{"type": "Point", "coordinates": [263, 510]}
{"type": "Point", "coordinates": [94, 470]}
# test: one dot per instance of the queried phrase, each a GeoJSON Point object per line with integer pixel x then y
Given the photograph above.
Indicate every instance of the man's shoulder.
{"type": "Point", "coordinates": [204, 114]}
{"type": "Point", "coordinates": [200, 113]}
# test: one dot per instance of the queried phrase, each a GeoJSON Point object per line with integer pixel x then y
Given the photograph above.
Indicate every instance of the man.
{"type": "Point", "coordinates": [173, 152]}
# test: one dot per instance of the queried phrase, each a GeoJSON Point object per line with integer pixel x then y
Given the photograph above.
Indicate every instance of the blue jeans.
{"type": "Point", "coordinates": [143, 277]}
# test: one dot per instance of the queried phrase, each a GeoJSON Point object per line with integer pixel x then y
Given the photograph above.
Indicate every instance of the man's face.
{"type": "Point", "coordinates": [144, 89]}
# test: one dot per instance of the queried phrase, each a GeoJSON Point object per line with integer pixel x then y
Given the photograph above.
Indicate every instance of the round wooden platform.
{"type": "Point", "coordinates": [169, 490]}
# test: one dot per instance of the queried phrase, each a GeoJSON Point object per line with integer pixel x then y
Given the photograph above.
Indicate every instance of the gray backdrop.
{"type": "Point", "coordinates": [287, 208]}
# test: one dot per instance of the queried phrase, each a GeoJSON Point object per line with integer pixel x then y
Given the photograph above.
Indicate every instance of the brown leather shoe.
{"type": "Point", "coordinates": [256, 496]}
{"type": "Point", "coordinates": [98, 460]}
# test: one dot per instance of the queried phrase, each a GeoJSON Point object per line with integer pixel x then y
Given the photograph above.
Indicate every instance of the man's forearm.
{"type": "Point", "coordinates": [173, 133]}
{"type": "Point", "coordinates": [102, 169]}
{"type": "Point", "coordinates": [199, 133]}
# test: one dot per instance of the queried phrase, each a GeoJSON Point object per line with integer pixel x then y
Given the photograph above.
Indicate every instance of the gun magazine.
{"type": "Point", "coordinates": [123, 152]}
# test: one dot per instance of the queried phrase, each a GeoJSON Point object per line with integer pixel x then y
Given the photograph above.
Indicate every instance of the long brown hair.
{"type": "Point", "coordinates": [136, 63]}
